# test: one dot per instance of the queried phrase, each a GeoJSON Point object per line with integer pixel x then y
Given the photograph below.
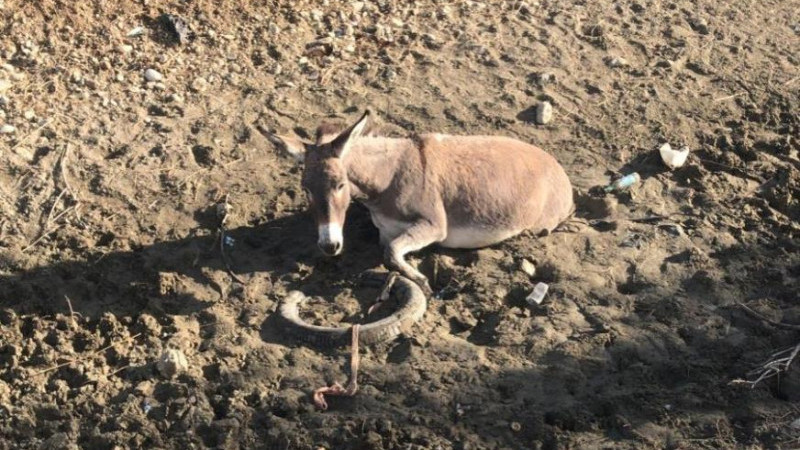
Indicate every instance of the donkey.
{"type": "Point", "coordinates": [457, 191]}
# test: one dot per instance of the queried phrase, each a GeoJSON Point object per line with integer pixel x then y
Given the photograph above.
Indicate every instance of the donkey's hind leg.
{"type": "Point", "coordinates": [418, 236]}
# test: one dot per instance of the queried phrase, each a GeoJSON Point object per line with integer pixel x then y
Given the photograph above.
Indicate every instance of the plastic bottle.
{"type": "Point", "coordinates": [624, 183]}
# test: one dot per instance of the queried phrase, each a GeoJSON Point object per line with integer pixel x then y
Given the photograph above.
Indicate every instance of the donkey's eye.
{"type": "Point", "coordinates": [339, 187]}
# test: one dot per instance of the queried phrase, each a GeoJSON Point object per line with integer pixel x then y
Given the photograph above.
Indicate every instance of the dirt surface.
{"type": "Point", "coordinates": [108, 187]}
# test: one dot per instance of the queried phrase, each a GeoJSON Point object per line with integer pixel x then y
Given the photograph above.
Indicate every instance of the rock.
{"type": "Point", "coordinates": [138, 31]}
{"type": "Point", "coordinates": [528, 267]}
{"type": "Point", "coordinates": [7, 129]}
{"type": "Point", "coordinates": [172, 362]}
{"type": "Point", "coordinates": [4, 85]}
{"type": "Point", "coordinates": [76, 76]}
{"type": "Point", "coordinates": [431, 41]}
{"type": "Point", "coordinates": [357, 6]}
{"type": "Point", "coordinates": [544, 113]}
{"type": "Point", "coordinates": [153, 75]}
{"type": "Point", "coordinates": [125, 48]}
{"type": "Point", "coordinates": [616, 61]}
{"type": "Point", "coordinates": [700, 25]}
{"type": "Point", "coordinates": [29, 115]}
{"type": "Point", "coordinates": [199, 84]}
{"type": "Point", "coordinates": [273, 28]}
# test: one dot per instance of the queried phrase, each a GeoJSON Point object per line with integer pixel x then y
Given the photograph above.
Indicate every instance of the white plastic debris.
{"type": "Point", "coordinates": [673, 158]}
{"type": "Point", "coordinates": [544, 113]}
{"type": "Point", "coordinates": [538, 293]}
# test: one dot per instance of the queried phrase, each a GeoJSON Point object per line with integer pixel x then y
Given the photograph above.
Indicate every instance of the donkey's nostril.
{"type": "Point", "coordinates": [330, 248]}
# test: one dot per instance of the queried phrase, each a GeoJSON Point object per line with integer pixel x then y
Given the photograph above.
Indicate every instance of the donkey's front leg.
{"type": "Point", "coordinates": [418, 236]}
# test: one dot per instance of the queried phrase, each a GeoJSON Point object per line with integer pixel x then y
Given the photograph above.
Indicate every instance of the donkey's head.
{"type": "Point", "coordinates": [325, 178]}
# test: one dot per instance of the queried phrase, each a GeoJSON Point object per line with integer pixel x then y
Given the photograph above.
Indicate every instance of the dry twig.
{"type": "Point", "coordinates": [779, 362]}
{"type": "Point", "coordinates": [750, 311]}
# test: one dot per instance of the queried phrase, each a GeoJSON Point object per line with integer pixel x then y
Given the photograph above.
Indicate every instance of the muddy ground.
{"type": "Point", "coordinates": [108, 184]}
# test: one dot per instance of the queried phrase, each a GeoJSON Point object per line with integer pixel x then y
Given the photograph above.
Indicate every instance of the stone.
{"type": "Point", "coordinates": [199, 84]}
{"type": "Point", "coordinates": [528, 267]}
{"type": "Point", "coordinates": [7, 129]}
{"type": "Point", "coordinates": [153, 75]}
{"type": "Point", "coordinates": [172, 362]}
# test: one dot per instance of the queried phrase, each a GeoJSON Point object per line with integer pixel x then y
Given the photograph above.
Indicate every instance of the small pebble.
{"type": "Point", "coordinates": [617, 61]}
{"type": "Point", "coordinates": [7, 129]}
{"type": "Point", "coordinates": [516, 426]}
{"type": "Point", "coordinates": [153, 75]}
{"type": "Point", "coordinates": [29, 114]}
{"type": "Point", "coordinates": [544, 113]}
{"type": "Point", "coordinates": [199, 84]}
{"type": "Point", "coordinates": [138, 31]}
{"type": "Point", "coordinates": [172, 362]}
{"type": "Point", "coordinates": [527, 267]}
{"type": "Point", "coordinates": [5, 85]}
{"type": "Point", "coordinates": [125, 48]}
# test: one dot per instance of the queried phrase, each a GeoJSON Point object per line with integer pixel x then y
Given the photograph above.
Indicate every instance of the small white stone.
{"type": "Point", "coordinates": [29, 115]}
{"type": "Point", "coordinates": [4, 85]}
{"type": "Point", "coordinates": [302, 61]}
{"type": "Point", "coordinates": [199, 84]}
{"type": "Point", "coordinates": [138, 31]}
{"type": "Point", "coordinates": [7, 129]}
{"type": "Point", "coordinates": [617, 61]}
{"type": "Point", "coordinates": [544, 113]}
{"type": "Point", "coordinates": [273, 28]}
{"type": "Point", "coordinates": [153, 75]}
{"type": "Point", "coordinates": [527, 267]}
{"type": "Point", "coordinates": [172, 362]}
{"type": "Point", "coordinates": [125, 48]}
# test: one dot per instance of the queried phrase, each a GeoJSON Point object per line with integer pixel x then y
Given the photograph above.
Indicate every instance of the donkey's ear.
{"type": "Point", "coordinates": [341, 145]}
{"type": "Point", "coordinates": [295, 146]}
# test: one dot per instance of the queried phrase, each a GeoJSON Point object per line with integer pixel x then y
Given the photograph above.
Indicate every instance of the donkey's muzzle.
{"type": "Point", "coordinates": [330, 239]}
